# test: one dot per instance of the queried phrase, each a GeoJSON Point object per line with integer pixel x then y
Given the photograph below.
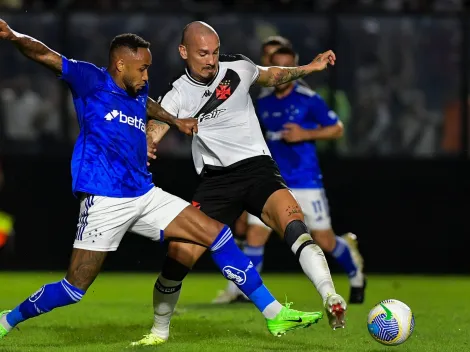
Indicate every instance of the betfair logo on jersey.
{"type": "Point", "coordinates": [128, 120]}
{"type": "Point", "coordinates": [211, 115]}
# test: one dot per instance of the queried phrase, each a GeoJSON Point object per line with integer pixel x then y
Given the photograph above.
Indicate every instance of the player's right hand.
{"type": "Point", "coordinates": [6, 32]}
{"type": "Point", "coordinates": [188, 125]}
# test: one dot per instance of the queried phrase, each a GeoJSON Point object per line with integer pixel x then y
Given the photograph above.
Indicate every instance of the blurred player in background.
{"type": "Point", "coordinates": [231, 155]}
{"type": "Point", "coordinates": [110, 175]}
{"type": "Point", "coordinates": [6, 220]}
{"type": "Point", "coordinates": [294, 118]}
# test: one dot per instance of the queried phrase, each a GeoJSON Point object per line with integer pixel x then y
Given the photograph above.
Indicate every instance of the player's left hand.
{"type": "Point", "coordinates": [293, 133]}
{"type": "Point", "coordinates": [323, 60]}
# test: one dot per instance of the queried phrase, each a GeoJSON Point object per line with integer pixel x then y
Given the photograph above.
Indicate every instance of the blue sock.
{"type": "Point", "coordinates": [343, 255]}
{"type": "Point", "coordinates": [235, 266]}
{"type": "Point", "coordinates": [256, 255]}
{"type": "Point", "coordinates": [48, 297]}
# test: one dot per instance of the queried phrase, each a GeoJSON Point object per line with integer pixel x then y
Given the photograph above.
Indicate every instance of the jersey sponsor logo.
{"type": "Point", "coordinates": [212, 115]}
{"type": "Point", "coordinates": [206, 94]}
{"type": "Point", "coordinates": [233, 274]}
{"type": "Point", "coordinates": [223, 92]}
{"type": "Point", "coordinates": [128, 120]}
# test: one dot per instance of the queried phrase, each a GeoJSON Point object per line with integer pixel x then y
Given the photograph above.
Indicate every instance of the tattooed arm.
{"type": "Point", "coordinates": [274, 75]}
{"type": "Point", "coordinates": [156, 113]}
{"type": "Point", "coordinates": [32, 48]}
{"type": "Point", "coordinates": [155, 132]}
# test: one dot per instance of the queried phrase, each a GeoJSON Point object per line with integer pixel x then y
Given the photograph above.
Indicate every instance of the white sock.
{"type": "Point", "coordinates": [272, 310]}
{"type": "Point", "coordinates": [4, 323]}
{"type": "Point", "coordinates": [313, 263]}
{"type": "Point", "coordinates": [232, 288]}
{"type": "Point", "coordinates": [357, 280]}
{"type": "Point", "coordinates": [165, 296]}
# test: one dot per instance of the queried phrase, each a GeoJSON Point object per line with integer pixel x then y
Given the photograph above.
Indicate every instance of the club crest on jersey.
{"type": "Point", "coordinates": [222, 92]}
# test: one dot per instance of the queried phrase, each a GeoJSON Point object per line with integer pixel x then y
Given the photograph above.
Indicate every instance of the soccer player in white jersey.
{"type": "Point", "coordinates": [230, 154]}
{"type": "Point", "coordinates": [110, 176]}
{"type": "Point", "coordinates": [294, 117]}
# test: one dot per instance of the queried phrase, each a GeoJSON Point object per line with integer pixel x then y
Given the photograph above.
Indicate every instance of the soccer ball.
{"type": "Point", "coordinates": [391, 322]}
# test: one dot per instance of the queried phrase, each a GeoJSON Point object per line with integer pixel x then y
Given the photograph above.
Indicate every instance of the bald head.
{"type": "Point", "coordinates": [200, 49]}
{"type": "Point", "coordinates": [196, 30]}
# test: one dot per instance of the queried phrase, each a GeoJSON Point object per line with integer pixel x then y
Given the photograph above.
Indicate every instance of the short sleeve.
{"type": "Point", "coordinates": [170, 101]}
{"type": "Point", "coordinates": [243, 65]}
{"type": "Point", "coordinates": [320, 113]}
{"type": "Point", "coordinates": [81, 76]}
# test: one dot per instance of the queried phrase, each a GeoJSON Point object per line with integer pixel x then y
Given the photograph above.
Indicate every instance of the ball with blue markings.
{"type": "Point", "coordinates": [391, 322]}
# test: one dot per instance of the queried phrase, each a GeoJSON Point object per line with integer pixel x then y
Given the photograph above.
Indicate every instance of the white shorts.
{"type": "Point", "coordinates": [103, 221]}
{"type": "Point", "coordinates": [314, 204]}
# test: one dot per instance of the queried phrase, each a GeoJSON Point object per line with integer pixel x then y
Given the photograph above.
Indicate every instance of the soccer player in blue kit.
{"type": "Point", "coordinates": [109, 174]}
{"type": "Point", "coordinates": [294, 117]}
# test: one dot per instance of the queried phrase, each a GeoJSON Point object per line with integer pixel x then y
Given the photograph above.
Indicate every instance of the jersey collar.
{"type": "Point", "coordinates": [186, 71]}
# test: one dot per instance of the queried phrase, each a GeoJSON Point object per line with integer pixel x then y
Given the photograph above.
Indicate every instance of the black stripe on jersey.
{"type": "Point", "coordinates": [224, 91]}
{"type": "Point", "coordinates": [234, 57]}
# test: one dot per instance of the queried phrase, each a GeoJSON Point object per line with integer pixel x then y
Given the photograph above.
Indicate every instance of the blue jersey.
{"type": "Point", "coordinates": [297, 162]}
{"type": "Point", "coordinates": [110, 154]}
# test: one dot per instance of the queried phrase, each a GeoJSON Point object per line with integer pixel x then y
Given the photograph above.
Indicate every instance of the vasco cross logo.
{"type": "Point", "coordinates": [222, 92]}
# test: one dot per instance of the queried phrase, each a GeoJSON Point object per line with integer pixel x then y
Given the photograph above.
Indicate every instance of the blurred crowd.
{"type": "Point", "coordinates": [396, 83]}
{"type": "Point", "coordinates": [265, 5]}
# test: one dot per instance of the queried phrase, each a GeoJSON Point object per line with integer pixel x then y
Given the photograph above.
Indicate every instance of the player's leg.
{"type": "Point", "coordinates": [96, 235]}
{"type": "Point", "coordinates": [344, 249]}
{"type": "Point", "coordinates": [270, 199]}
{"type": "Point", "coordinates": [181, 221]}
{"type": "Point", "coordinates": [257, 234]}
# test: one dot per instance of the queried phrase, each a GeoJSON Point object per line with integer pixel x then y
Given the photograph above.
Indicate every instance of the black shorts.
{"type": "Point", "coordinates": [225, 193]}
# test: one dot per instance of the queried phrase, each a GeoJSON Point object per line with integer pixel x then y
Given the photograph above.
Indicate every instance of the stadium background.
{"type": "Point", "coordinates": [399, 178]}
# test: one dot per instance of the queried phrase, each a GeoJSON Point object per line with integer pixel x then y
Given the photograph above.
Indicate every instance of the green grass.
{"type": "Point", "coordinates": [118, 309]}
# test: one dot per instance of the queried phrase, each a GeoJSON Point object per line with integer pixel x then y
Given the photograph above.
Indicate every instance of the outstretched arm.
{"type": "Point", "coordinates": [156, 113]}
{"type": "Point", "coordinates": [274, 75]}
{"type": "Point", "coordinates": [32, 48]}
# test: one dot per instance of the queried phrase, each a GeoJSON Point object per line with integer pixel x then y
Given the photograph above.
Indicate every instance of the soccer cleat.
{"type": "Point", "coordinates": [3, 330]}
{"type": "Point", "coordinates": [149, 340]}
{"type": "Point", "coordinates": [335, 307]}
{"type": "Point", "coordinates": [357, 294]}
{"type": "Point", "coordinates": [290, 319]}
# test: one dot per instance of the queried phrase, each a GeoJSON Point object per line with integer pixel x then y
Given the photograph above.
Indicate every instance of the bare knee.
{"type": "Point", "coordinates": [325, 239]}
{"type": "Point", "coordinates": [280, 209]}
{"type": "Point", "coordinates": [185, 253]}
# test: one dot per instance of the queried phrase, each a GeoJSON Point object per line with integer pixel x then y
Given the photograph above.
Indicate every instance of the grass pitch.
{"type": "Point", "coordinates": [118, 309]}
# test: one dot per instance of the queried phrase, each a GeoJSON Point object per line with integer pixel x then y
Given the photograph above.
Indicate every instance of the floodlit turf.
{"type": "Point", "coordinates": [117, 310]}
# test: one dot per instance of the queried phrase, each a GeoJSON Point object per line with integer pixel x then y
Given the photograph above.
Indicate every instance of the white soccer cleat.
{"type": "Point", "coordinates": [335, 307]}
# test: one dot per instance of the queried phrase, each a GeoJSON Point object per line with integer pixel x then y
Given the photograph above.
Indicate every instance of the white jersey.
{"type": "Point", "coordinates": [228, 128]}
